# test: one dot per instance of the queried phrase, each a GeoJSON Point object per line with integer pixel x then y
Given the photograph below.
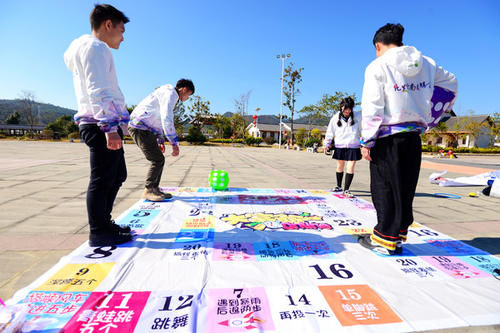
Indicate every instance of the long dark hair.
{"type": "Point", "coordinates": [346, 103]}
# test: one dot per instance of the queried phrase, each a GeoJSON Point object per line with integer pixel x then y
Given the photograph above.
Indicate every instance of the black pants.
{"type": "Point", "coordinates": [146, 140]}
{"type": "Point", "coordinates": [394, 174]}
{"type": "Point", "coordinates": [107, 173]}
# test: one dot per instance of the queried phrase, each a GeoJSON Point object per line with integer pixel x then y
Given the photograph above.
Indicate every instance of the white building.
{"type": "Point", "coordinates": [273, 130]}
{"type": "Point", "coordinates": [457, 134]}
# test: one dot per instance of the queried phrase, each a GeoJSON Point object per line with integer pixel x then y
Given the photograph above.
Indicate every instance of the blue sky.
{"type": "Point", "coordinates": [229, 47]}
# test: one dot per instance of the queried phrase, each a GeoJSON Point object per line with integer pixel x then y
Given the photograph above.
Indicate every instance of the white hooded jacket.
{"type": "Point", "coordinates": [100, 100]}
{"type": "Point", "coordinates": [397, 92]}
{"type": "Point", "coordinates": [155, 113]}
{"type": "Point", "coordinates": [346, 135]}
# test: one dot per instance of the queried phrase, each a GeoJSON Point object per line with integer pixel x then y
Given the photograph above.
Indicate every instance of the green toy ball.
{"type": "Point", "coordinates": [218, 180]}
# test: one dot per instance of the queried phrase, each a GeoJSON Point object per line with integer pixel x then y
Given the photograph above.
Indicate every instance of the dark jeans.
{"type": "Point", "coordinates": [394, 174]}
{"type": "Point", "coordinates": [146, 141]}
{"type": "Point", "coordinates": [107, 173]}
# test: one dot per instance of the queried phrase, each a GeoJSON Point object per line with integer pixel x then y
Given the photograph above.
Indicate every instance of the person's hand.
{"type": "Point", "coordinates": [162, 147]}
{"type": "Point", "coordinates": [175, 150]}
{"type": "Point", "coordinates": [365, 151]}
{"type": "Point", "coordinates": [113, 140]}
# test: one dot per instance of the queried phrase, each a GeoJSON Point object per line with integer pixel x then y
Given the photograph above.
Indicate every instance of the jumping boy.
{"type": "Point", "coordinates": [149, 122]}
{"type": "Point", "coordinates": [101, 112]}
{"type": "Point", "coordinates": [396, 109]}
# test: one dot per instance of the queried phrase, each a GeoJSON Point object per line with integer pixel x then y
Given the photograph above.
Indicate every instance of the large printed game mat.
{"type": "Point", "coordinates": [262, 260]}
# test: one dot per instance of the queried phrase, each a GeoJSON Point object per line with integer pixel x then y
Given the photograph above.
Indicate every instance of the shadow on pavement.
{"type": "Point", "coordinates": [488, 244]}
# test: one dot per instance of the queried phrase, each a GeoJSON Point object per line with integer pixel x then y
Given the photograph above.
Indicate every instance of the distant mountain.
{"type": "Point", "coordinates": [48, 112]}
{"type": "Point", "coordinates": [274, 120]}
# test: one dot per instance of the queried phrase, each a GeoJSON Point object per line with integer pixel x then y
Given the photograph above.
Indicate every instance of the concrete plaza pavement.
{"type": "Point", "coordinates": [43, 187]}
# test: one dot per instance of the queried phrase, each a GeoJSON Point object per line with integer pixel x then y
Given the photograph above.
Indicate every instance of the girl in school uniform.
{"type": "Point", "coordinates": [344, 127]}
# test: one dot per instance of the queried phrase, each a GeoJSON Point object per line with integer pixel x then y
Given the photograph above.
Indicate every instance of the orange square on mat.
{"type": "Point", "coordinates": [358, 305]}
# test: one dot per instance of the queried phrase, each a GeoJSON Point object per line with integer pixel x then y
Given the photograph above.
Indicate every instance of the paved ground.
{"type": "Point", "coordinates": [43, 185]}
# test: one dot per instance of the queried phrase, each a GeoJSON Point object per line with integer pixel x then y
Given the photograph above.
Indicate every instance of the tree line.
{"type": "Point", "coordinates": [196, 116]}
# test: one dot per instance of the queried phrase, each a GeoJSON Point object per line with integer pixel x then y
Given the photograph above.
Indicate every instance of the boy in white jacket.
{"type": "Point", "coordinates": [101, 112]}
{"type": "Point", "coordinates": [149, 122]}
{"type": "Point", "coordinates": [396, 109]}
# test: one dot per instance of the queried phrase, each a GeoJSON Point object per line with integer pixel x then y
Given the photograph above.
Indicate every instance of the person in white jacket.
{"type": "Point", "coordinates": [396, 106]}
{"type": "Point", "coordinates": [344, 128]}
{"type": "Point", "coordinates": [151, 120]}
{"type": "Point", "coordinates": [101, 113]}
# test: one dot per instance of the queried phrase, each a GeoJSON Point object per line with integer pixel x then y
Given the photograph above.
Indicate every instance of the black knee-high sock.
{"type": "Point", "coordinates": [339, 178]}
{"type": "Point", "coordinates": [348, 180]}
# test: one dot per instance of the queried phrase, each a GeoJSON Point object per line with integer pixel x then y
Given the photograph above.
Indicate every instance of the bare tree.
{"type": "Point", "coordinates": [241, 103]}
{"type": "Point", "coordinates": [28, 109]}
{"type": "Point", "coordinates": [291, 79]}
{"type": "Point", "coordinates": [241, 106]}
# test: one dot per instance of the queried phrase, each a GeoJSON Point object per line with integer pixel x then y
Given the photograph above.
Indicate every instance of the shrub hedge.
{"type": "Point", "coordinates": [436, 149]}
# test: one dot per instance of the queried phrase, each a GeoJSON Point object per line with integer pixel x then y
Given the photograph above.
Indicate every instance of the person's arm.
{"type": "Point", "coordinates": [168, 100]}
{"type": "Point", "coordinates": [446, 80]}
{"type": "Point", "coordinates": [330, 133]}
{"type": "Point", "coordinates": [96, 66]}
{"type": "Point", "coordinates": [372, 104]}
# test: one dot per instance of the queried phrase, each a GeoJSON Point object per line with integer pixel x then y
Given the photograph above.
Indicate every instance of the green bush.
{"type": "Point", "coordinates": [74, 135]}
{"type": "Point", "coordinates": [252, 141]}
{"type": "Point", "coordinates": [311, 141]}
{"type": "Point", "coordinates": [195, 135]}
{"type": "Point", "coordinates": [227, 140]}
{"type": "Point", "coordinates": [462, 150]}
{"type": "Point", "coordinates": [316, 133]}
{"type": "Point", "coordinates": [63, 126]}
{"type": "Point", "coordinates": [269, 140]}
{"type": "Point", "coordinates": [48, 134]}
{"type": "Point", "coordinates": [300, 136]}
{"type": "Point", "coordinates": [221, 140]}
{"type": "Point", "coordinates": [430, 149]}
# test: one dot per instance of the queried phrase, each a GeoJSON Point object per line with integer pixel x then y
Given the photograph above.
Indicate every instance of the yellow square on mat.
{"type": "Point", "coordinates": [357, 231]}
{"type": "Point", "coordinates": [199, 222]}
{"type": "Point", "coordinates": [320, 192]}
{"type": "Point", "coordinates": [77, 277]}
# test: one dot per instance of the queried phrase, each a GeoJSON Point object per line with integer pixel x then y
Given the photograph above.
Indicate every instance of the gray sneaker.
{"type": "Point", "coordinates": [151, 195]}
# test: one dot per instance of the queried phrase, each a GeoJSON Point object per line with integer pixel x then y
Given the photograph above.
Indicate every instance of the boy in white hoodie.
{"type": "Point", "coordinates": [396, 109]}
{"type": "Point", "coordinates": [149, 122]}
{"type": "Point", "coordinates": [101, 112]}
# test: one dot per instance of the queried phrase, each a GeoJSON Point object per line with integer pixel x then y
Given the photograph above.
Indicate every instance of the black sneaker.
{"type": "Point", "coordinates": [108, 238]}
{"type": "Point", "coordinates": [119, 228]}
{"type": "Point", "coordinates": [366, 242]}
{"type": "Point", "coordinates": [336, 189]}
{"type": "Point", "coordinates": [399, 248]}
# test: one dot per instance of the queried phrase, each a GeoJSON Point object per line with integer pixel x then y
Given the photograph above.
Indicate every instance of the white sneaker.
{"type": "Point", "coordinates": [348, 194]}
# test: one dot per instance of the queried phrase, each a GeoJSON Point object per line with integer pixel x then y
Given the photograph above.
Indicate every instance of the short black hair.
{"type": "Point", "coordinates": [389, 34]}
{"type": "Point", "coordinates": [101, 13]}
{"type": "Point", "coordinates": [185, 83]}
